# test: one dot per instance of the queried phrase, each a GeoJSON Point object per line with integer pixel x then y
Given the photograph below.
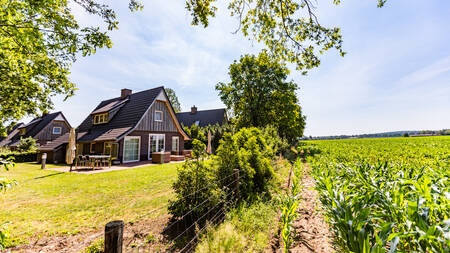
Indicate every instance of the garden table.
{"type": "Point", "coordinates": [98, 159]}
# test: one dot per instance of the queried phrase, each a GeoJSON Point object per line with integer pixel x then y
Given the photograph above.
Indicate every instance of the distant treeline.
{"type": "Point", "coordinates": [381, 135]}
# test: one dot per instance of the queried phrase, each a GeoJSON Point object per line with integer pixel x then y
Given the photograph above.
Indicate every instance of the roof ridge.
{"type": "Point", "coordinates": [159, 87]}
{"type": "Point", "coordinates": [204, 110]}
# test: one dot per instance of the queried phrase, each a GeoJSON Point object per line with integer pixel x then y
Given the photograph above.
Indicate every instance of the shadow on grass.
{"type": "Point", "coordinates": [49, 175]}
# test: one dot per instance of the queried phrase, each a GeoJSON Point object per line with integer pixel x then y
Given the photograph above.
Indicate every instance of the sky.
{"type": "Point", "coordinates": [395, 76]}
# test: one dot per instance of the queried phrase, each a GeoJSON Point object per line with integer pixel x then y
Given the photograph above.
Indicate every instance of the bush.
{"type": "Point", "coordinates": [248, 152]}
{"type": "Point", "coordinates": [27, 145]}
{"type": "Point", "coordinates": [201, 133]}
{"type": "Point", "coordinates": [278, 145]}
{"type": "Point", "coordinates": [20, 157]}
{"type": "Point", "coordinates": [195, 186]}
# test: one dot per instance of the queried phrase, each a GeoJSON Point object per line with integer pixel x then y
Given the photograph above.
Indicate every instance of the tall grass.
{"type": "Point", "coordinates": [246, 229]}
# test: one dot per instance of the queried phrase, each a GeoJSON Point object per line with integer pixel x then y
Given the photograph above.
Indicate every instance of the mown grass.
{"type": "Point", "coordinates": [56, 203]}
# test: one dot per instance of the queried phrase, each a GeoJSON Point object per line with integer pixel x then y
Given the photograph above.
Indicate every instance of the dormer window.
{"type": "Point", "coordinates": [159, 116]}
{"type": "Point", "coordinates": [100, 118]}
{"type": "Point", "coordinates": [57, 130]}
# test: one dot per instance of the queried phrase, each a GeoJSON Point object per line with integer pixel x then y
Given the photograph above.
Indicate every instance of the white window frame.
{"type": "Point", "coordinates": [90, 147]}
{"type": "Point", "coordinates": [178, 142]}
{"type": "Point", "coordinates": [60, 130]}
{"type": "Point", "coordinates": [162, 115]}
{"type": "Point", "coordinates": [102, 118]}
{"type": "Point", "coordinates": [139, 148]}
{"type": "Point", "coordinates": [157, 143]}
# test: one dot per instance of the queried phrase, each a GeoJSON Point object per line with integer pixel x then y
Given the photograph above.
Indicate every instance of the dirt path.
{"type": "Point", "coordinates": [312, 232]}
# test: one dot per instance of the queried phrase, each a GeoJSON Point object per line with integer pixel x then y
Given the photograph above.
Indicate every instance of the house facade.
{"type": "Point", "coordinates": [132, 127]}
{"type": "Point", "coordinates": [43, 129]}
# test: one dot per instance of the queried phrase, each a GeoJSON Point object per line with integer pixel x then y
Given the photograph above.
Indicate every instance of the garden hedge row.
{"type": "Point", "coordinates": [20, 157]}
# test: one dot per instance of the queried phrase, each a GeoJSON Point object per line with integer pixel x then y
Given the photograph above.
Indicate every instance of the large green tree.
{"type": "Point", "coordinates": [39, 40]}
{"type": "Point", "coordinates": [290, 29]}
{"type": "Point", "coordinates": [173, 99]}
{"type": "Point", "coordinates": [259, 95]}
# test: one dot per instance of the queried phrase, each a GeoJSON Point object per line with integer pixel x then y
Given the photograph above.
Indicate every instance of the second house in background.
{"type": "Point", "coordinates": [202, 118]}
{"type": "Point", "coordinates": [43, 129]}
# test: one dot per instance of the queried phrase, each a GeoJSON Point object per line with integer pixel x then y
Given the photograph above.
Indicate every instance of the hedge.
{"type": "Point", "coordinates": [20, 157]}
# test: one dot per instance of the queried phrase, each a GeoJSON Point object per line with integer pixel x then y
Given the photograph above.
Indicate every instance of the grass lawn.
{"type": "Point", "coordinates": [50, 202]}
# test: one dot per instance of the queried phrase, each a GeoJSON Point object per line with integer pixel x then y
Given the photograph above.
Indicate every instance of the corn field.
{"type": "Point", "coordinates": [384, 195]}
{"type": "Point", "coordinates": [288, 204]}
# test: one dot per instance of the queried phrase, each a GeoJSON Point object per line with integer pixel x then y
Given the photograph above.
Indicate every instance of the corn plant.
{"type": "Point", "coordinates": [385, 195]}
{"type": "Point", "coordinates": [289, 203]}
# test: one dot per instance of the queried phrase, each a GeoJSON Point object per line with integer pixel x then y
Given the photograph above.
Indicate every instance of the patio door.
{"type": "Point", "coordinates": [156, 144]}
{"type": "Point", "coordinates": [131, 148]}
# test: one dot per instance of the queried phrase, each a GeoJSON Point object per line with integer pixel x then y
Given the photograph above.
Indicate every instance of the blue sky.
{"type": "Point", "coordinates": [396, 75]}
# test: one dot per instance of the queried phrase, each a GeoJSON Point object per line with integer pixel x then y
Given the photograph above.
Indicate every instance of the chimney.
{"type": "Point", "coordinates": [125, 93]}
{"type": "Point", "coordinates": [193, 110]}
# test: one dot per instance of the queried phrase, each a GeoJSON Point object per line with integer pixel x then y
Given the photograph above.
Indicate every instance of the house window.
{"type": "Point", "coordinates": [111, 149]}
{"type": "Point", "coordinates": [158, 116]}
{"type": "Point", "coordinates": [156, 144]}
{"type": "Point", "coordinates": [100, 118]}
{"type": "Point", "coordinates": [131, 148]}
{"type": "Point", "coordinates": [92, 148]}
{"type": "Point", "coordinates": [175, 143]}
{"type": "Point", "coordinates": [57, 130]}
{"type": "Point", "coordinates": [107, 148]}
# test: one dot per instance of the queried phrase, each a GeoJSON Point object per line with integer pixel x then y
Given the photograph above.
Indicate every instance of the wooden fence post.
{"type": "Point", "coordinates": [289, 179]}
{"type": "Point", "coordinates": [236, 185]}
{"type": "Point", "coordinates": [114, 236]}
{"type": "Point", "coordinates": [43, 160]}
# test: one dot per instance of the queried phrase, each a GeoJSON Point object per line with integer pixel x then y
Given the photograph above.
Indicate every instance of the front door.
{"type": "Point", "coordinates": [156, 144]}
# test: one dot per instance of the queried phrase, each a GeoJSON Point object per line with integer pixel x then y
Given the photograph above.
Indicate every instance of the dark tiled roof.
{"type": "Point", "coordinates": [34, 127]}
{"type": "Point", "coordinates": [125, 119]}
{"type": "Point", "coordinates": [204, 118]}
{"type": "Point", "coordinates": [10, 131]}
{"type": "Point", "coordinates": [52, 145]}
{"type": "Point", "coordinates": [110, 106]}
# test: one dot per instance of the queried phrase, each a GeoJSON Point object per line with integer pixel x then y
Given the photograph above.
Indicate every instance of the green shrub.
{"type": "Point", "coordinates": [20, 157]}
{"type": "Point", "coordinates": [195, 186]}
{"type": "Point", "coordinates": [201, 133]}
{"type": "Point", "coordinates": [248, 152]}
{"type": "Point", "coordinates": [274, 141]}
{"type": "Point", "coordinates": [27, 145]}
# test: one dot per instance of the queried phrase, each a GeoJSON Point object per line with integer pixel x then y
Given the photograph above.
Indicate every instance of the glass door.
{"type": "Point", "coordinates": [175, 144]}
{"type": "Point", "coordinates": [131, 149]}
{"type": "Point", "coordinates": [156, 144]}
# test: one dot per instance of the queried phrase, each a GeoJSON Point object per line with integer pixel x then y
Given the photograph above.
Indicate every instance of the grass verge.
{"type": "Point", "coordinates": [245, 229]}
{"type": "Point", "coordinates": [46, 203]}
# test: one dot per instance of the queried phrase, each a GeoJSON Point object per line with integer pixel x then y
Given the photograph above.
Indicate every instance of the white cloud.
{"type": "Point", "coordinates": [394, 55]}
